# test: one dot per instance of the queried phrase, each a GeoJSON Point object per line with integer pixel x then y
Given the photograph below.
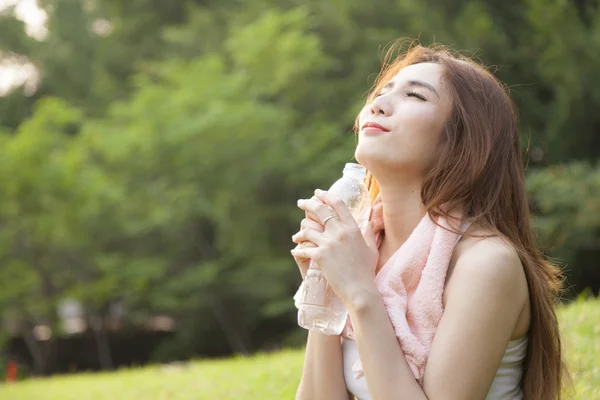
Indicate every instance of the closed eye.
{"type": "Point", "coordinates": [417, 95]}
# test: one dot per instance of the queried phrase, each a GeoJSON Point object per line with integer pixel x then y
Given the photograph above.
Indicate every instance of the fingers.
{"type": "Point", "coordinates": [309, 227]}
{"type": "Point", "coordinates": [309, 235]}
{"type": "Point", "coordinates": [312, 253]}
{"type": "Point", "coordinates": [317, 208]}
{"type": "Point", "coordinates": [308, 223]}
{"type": "Point", "coordinates": [311, 215]}
{"type": "Point", "coordinates": [302, 262]}
{"type": "Point", "coordinates": [336, 203]}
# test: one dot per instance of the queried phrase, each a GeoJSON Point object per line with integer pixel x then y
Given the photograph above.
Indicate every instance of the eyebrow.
{"type": "Point", "coordinates": [426, 85]}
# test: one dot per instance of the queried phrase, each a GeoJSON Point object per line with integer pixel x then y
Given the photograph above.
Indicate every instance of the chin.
{"type": "Point", "coordinates": [362, 156]}
{"type": "Point", "coordinates": [381, 161]}
{"type": "Point", "coordinates": [371, 158]}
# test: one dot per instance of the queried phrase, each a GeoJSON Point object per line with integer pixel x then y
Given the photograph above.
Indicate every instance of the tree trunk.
{"type": "Point", "coordinates": [102, 345]}
{"type": "Point", "coordinates": [35, 350]}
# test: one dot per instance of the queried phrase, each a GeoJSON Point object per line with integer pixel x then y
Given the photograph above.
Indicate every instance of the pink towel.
{"type": "Point", "coordinates": [411, 284]}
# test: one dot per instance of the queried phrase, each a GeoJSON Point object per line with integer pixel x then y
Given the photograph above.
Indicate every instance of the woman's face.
{"type": "Point", "coordinates": [411, 112]}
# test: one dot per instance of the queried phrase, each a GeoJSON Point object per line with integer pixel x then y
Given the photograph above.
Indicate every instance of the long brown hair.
{"type": "Point", "coordinates": [481, 171]}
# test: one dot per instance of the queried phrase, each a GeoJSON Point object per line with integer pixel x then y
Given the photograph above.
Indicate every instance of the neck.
{"type": "Point", "coordinates": [402, 210]}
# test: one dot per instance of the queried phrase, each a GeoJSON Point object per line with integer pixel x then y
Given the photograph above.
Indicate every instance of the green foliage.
{"type": "Point", "coordinates": [152, 205]}
{"type": "Point", "coordinates": [42, 183]}
{"type": "Point", "coordinates": [565, 198]}
{"type": "Point", "coordinates": [159, 160]}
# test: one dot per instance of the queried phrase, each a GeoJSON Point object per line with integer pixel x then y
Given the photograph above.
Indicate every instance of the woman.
{"type": "Point", "coordinates": [438, 133]}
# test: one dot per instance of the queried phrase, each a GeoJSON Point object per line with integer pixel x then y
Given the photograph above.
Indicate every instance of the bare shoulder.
{"type": "Point", "coordinates": [493, 257]}
{"type": "Point", "coordinates": [486, 257]}
{"type": "Point", "coordinates": [491, 264]}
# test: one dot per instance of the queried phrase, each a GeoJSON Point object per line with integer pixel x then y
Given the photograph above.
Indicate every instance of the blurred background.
{"type": "Point", "coordinates": [152, 152]}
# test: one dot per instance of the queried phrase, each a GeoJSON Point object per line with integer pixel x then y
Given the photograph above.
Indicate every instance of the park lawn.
{"type": "Point", "coordinates": [276, 375]}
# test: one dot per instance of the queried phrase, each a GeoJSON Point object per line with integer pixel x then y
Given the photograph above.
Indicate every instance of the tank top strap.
{"type": "Point", "coordinates": [464, 226]}
{"type": "Point", "coordinates": [462, 229]}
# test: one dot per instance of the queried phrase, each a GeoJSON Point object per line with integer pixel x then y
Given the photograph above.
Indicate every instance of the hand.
{"type": "Point", "coordinates": [311, 221]}
{"type": "Point", "coordinates": [347, 258]}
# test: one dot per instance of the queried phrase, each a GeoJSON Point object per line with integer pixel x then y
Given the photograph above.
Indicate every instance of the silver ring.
{"type": "Point", "coordinates": [328, 218]}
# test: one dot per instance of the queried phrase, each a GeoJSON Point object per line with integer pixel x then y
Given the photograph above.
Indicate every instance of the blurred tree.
{"type": "Point", "coordinates": [169, 141]}
{"type": "Point", "coordinates": [37, 225]}
{"type": "Point", "coordinates": [565, 198]}
{"type": "Point", "coordinates": [208, 173]}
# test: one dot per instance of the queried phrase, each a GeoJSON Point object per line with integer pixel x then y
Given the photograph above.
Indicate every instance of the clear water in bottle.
{"type": "Point", "coordinates": [318, 306]}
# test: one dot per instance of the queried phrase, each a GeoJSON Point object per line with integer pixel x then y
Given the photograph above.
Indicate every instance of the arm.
{"type": "Point", "coordinates": [487, 295]}
{"type": "Point", "coordinates": [322, 376]}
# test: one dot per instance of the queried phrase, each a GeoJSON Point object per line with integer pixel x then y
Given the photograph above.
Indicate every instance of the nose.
{"type": "Point", "coordinates": [379, 108]}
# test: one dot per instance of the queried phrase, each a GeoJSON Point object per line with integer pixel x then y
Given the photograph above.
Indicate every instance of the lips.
{"type": "Point", "coordinates": [373, 127]}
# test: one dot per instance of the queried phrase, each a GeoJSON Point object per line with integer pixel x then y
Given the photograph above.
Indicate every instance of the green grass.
{"type": "Point", "coordinates": [276, 376]}
{"type": "Point", "coordinates": [264, 376]}
{"type": "Point", "coordinates": [580, 325]}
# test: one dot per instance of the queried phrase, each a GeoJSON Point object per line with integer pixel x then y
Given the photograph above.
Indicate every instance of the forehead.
{"type": "Point", "coordinates": [431, 73]}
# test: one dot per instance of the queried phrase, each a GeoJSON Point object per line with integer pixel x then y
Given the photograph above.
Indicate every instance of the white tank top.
{"type": "Point", "coordinates": [504, 387]}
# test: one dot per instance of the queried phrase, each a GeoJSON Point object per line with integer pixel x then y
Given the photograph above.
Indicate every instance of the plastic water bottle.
{"type": "Point", "coordinates": [318, 306]}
